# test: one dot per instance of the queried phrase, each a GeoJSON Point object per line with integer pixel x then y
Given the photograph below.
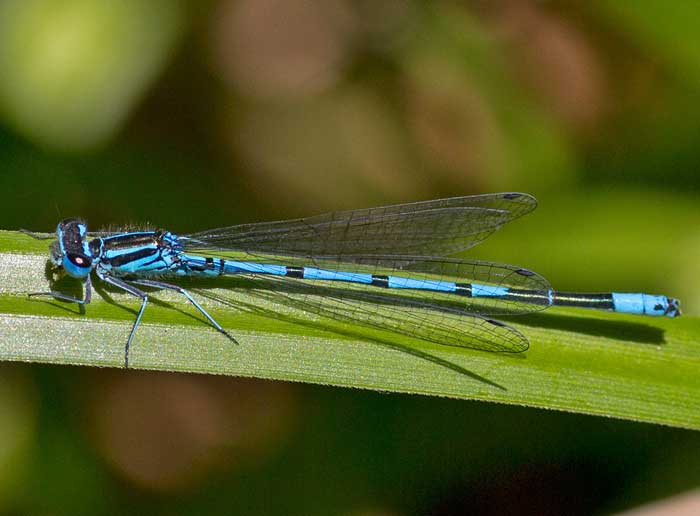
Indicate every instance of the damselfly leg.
{"type": "Point", "coordinates": [87, 296]}
{"type": "Point", "coordinates": [188, 296]}
{"type": "Point", "coordinates": [119, 283]}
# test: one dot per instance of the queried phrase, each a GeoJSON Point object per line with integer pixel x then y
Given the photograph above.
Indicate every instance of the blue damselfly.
{"type": "Point", "coordinates": [382, 267]}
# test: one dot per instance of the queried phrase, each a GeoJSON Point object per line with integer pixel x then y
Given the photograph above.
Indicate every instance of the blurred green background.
{"type": "Point", "coordinates": [191, 115]}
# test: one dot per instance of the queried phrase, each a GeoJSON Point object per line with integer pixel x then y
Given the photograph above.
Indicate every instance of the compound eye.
{"type": "Point", "coordinates": [79, 260]}
{"type": "Point", "coordinates": [77, 265]}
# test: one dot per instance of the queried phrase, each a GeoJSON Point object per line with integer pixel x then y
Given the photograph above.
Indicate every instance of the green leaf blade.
{"type": "Point", "coordinates": [643, 369]}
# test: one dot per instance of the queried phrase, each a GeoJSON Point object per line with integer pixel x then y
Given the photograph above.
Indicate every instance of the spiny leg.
{"type": "Point", "coordinates": [134, 292]}
{"type": "Point", "coordinates": [87, 286]}
{"type": "Point", "coordinates": [167, 286]}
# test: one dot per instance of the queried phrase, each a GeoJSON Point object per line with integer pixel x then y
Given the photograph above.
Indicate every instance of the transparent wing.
{"type": "Point", "coordinates": [440, 227]}
{"type": "Point", "coordinates": [439, 317]}
{"type": "Point", "coordinates": [441, 326]}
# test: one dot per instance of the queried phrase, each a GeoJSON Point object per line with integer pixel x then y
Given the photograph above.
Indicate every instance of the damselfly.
{"type": "Point", "coordinates": [381, 267]}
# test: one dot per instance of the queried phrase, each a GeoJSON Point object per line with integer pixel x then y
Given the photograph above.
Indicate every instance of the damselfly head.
{"type": "Point", "coordinates": [73, 253]}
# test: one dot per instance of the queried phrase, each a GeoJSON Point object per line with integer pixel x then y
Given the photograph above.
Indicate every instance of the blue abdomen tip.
{"type": "Point", "coordinates": [645, 304]}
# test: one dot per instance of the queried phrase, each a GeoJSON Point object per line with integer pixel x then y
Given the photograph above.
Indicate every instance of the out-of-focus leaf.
{"type": "Point", "coordinates": [669, 29]}
{"type": "Point", "coordinates": [73, 70]}
{"type": "Point", "coordinates": [472, 96]}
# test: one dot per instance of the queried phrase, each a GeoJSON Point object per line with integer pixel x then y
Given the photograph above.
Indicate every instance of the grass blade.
{"type": "Point", "coordinates": [643, 369]}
